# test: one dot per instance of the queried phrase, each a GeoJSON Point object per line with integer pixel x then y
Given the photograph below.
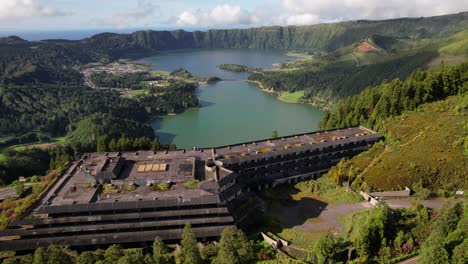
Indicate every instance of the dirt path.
{"type": "Point", "coordinates": [375, 160]}
{"type": "Point", "coordinates": [401, 145]}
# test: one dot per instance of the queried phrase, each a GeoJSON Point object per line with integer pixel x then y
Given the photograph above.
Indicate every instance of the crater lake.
{"type": "Point", "coordinates": [232, 110]}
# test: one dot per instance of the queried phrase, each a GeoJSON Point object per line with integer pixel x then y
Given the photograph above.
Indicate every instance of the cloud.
{"type": "Point", "coordinates": [331, 10]}
{"type": "Point", "coordinates": [302, 19]}
{"type": "Point", "coordinates": [306, 12]}
{"type": "Point", "coordinates": [26, 8]}
{"type": "Point", "coordinates": [219, 15]}
{"type": "Point", "coordinates": [145, 9]}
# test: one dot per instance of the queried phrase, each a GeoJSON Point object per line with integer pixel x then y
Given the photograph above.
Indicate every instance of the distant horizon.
{"type": "Point", "coordinates": [22, 16]}
{"type": "Point", "coordinates": [77, 34]}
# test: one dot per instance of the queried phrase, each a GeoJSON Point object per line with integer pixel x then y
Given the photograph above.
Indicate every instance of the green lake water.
{"type": "Point", "coordinates": [232, 111]}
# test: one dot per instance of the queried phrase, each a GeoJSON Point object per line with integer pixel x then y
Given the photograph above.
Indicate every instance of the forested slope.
{"type": "Point", "coordinates": [326, 78]}
{"type": "Point", "coordinates": [375, 104]}
{"type": "Point", "coordinates": [322, 37]}
{"type": "Point", "coordinates": [426, 146]}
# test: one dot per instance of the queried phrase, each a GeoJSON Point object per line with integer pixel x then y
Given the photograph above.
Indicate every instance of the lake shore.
{"type": "Point", "coordinates": [278, 96]}
{"type": "Point", "coordinates": [230, 106]}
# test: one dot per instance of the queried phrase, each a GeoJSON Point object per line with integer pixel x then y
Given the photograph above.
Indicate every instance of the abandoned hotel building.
{"type": "Point", "coordinates": [109, 198]}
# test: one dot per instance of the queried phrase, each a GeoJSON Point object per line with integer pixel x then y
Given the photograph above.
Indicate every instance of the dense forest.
{"type": "Point", "coordinates": [51, 109]}
{"type": "Point", "coordinates": [181, 96]}
{"type": "Point", "coordinates": [375, 104]}
{"type": "Point", "coordinates": [333, 81]}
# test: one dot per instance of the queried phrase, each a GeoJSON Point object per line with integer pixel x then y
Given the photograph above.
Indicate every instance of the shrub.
{"type": "Point", "coordinates": [162, 187]}
{"type": "Point", "coordinates": [191, 184]}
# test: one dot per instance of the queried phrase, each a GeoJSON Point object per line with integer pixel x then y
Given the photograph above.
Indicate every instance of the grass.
{"type": "Point", "coordinates": [428, 146]}
{"type": "Point", "coordinates": [299, 55]}
{"type": "Point", "coordinates": [156, 73]}
{"type": "Point", "coordinates": [456, 44]}
{"type": "Point", "coordinates": [58, 141]}
{"type": "Point", "coordinates": [305, 196]}
{"type": "Point", "coordinates": [139, 92]}
{"type": "Point", "coordinates": [294, 97]}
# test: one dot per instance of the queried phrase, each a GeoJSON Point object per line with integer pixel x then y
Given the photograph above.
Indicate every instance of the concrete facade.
{"type": "Point", "coordinates": [93, 205]}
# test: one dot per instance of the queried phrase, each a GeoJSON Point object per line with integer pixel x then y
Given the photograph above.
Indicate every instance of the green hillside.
{"type": "Point", "coordinates": [427, 146]}
{"type": "Point", "coordinates": [322, 37]}
{"type": "Point", "coordinates": [424, 122]}
{"type": "Point", "coordinates": [456, 44]}
{"type": "Point", "coordinates": [327, 77]}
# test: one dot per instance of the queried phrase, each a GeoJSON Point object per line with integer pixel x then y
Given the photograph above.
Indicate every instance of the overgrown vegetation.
{"type": "Point", "coordinates": [191, 184]}
{"type": "Point", "coordinates": [424, 150]}
{"type": "Point", "coordinates": [14, 209]}
{"type": "Point", "coordinates": [30, 162]}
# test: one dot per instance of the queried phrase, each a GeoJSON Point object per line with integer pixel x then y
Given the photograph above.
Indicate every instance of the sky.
{"type": "Point", "coordinates": [123, 15]}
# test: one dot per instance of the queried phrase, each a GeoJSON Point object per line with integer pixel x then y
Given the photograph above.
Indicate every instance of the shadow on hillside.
{"type": "Point", "coordinates": [285, 212]}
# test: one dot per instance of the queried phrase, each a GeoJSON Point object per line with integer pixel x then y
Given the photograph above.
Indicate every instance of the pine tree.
{"type": "Point", "coordinates": [132, 256]}
{"type": "Point", "coordinates": [40, 256]}
{"type": "Point", "coordinates": [137, 144]}
{"type": "Point", "coordinates": [190, 252]}
{"type": "Point", "coordinates": [161, 253]}
{"type": "Point", "coordinates": [58, 255]}
{"type": "Point", "coordinates": [87, 257]}
{"type": "Point", "coordinates": [234, 248]}
{"type": "Point", "coordinates": [101, 145]}
{"type": "Point", "coordinates": [122, 143]}
{"type": "Point", "coordinates": [145, 143]}
{"type": "Point", "coordinates": [112, 145]}
{"type": "Point", "coordinates": [155, 144]}
{"type": "Point", "coordinates": [113, 254]}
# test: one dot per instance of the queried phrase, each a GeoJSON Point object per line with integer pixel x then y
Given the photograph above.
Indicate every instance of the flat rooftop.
{"type": "Point", "coordinates": [139, 168]}
{"type": "Point", "coordinates": [143, 168]}
{"type": "Point", "coordinates": [290, 142]}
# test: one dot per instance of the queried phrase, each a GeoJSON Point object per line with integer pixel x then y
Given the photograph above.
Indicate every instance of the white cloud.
{"type": "Point", "coordinates": [302, 19]}
{"type": "Point", "coordinates": [372, 9]}
{"type": "Point", "coordinates": [220, 15]}
{"type": "Point", "coordinates": [306, 12]}
{"type": "Point", "coordinates": [145, 10]}
{"type": "Point", "coordinates": [187, 18]}
{"type": "Point", "coordinates": [26, 8]}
